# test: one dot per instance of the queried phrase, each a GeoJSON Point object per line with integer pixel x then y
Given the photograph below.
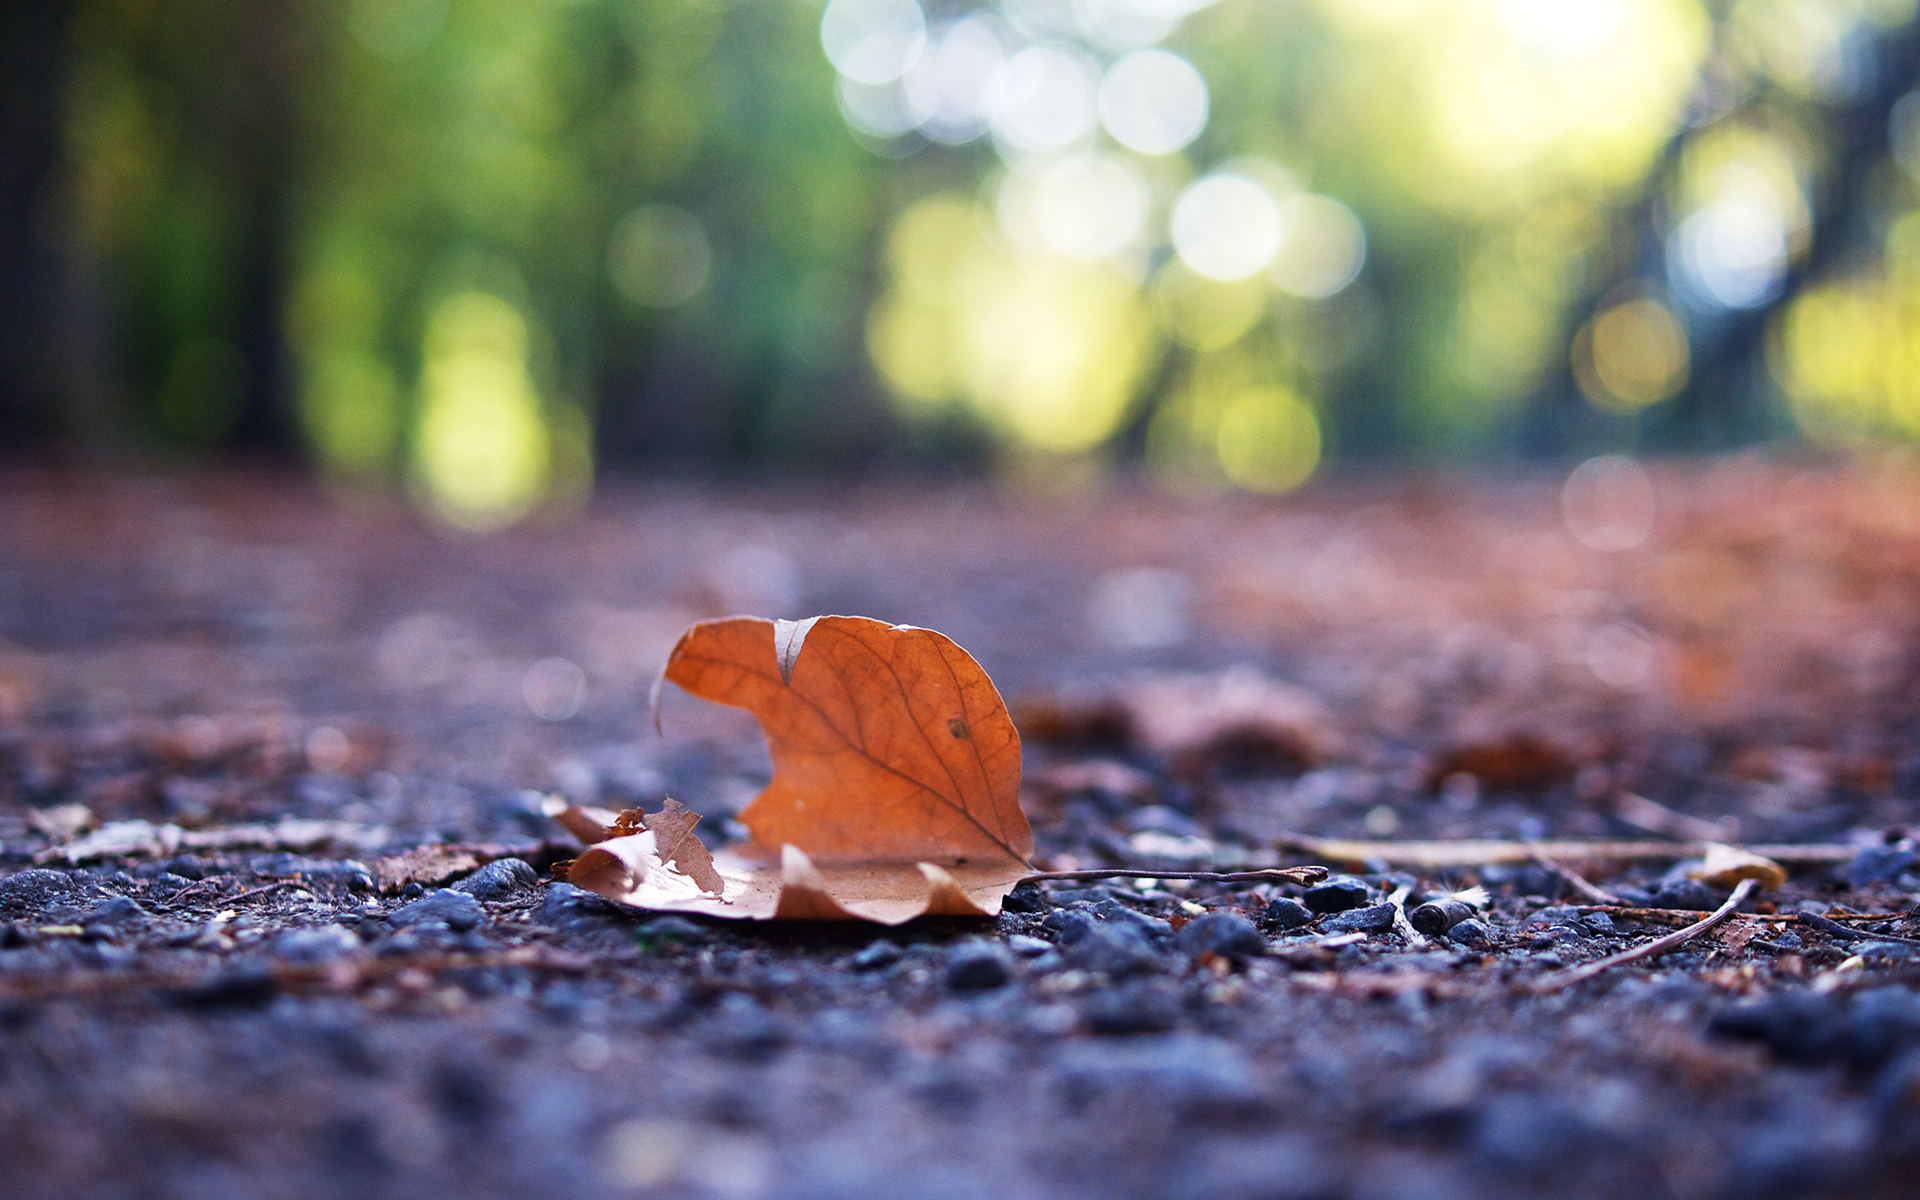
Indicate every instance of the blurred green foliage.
{"type": "Point", "coordinates": [479, 246]}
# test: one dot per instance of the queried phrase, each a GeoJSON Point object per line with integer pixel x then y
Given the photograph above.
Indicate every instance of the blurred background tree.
{"type": "Point", "coordinates": [482, 248]}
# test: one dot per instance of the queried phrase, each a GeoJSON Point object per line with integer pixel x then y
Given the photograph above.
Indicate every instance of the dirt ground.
{"type": "Point", "coordinates": [249, 731]}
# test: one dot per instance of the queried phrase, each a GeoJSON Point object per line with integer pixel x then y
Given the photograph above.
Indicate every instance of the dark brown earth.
{"type": "Point", "coordinates": [1197, 681]}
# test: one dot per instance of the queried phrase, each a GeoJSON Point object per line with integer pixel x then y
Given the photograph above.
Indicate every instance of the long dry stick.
{"type": "Point", "coordinates": [1489, 852]}
{"type": "Point", "coordinates": [1577, 881]}
{"type": "Point", "coordinates": [1848, 933]}
{"type": "Point", "coordinates": [1301, 875]}
{"type": "Point", "coordinates": [1651, 949]}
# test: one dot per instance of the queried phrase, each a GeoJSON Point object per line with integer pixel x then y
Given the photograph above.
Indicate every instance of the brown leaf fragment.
{"type": "Point", "coordinates": [588, 824]}
{"type": "Point", "coordinates": [429, 865]}
{"type": "Point", "coordinates": [1522, 762]}
{"type": "Point", "coordinates": [672, 830]}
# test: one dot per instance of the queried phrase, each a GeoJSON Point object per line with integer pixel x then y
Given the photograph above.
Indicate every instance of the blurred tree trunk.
{"type": "Point", "coordinates": [32, 59]}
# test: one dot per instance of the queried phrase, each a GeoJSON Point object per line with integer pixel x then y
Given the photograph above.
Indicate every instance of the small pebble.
{"type": "Point", "coordinates": [1115, 950]}
{"type": "Point", "coordinates": [116, 910]}
{"type": "Point", "coordinates": [321, 944]}
{"type": "Point", "coordinates": [1027, 947]}
{"type": "Point", "coordinates": [1598, 923]}
{"type": "Point", "coordinates": [498, 879]}
{"type": "Point", "coordinates": [1226, 934]}
{"type": "Point", "coordinates": [1283, 914]}
{"type": "Point", "coordinates": [35, 889]}
{"type": "Point", "coordinates": [978, 965]}
{"type": "Point", "coordinates": [1141, 1008]}
{"type": "Point", "coordinates": [1471, 934]}
{"type": "Point", "coordinates": [1879, 864]}
{"type": "Point", "coordinates": [878, 954]}
{"type": "Point", "coordinates": [1377, 919]}
{"type": "Point", "coordinates": [1114, 912]}
{"type": "Point", "coordinates": [1688, 894]}
{"type": "Point", "coordinates": [1338, 894]}
{"type": "Point", "coordinates": [455, 910]}
{"type": "Point", "coordinates": [572, 909]}
{"type": "Point", "coordinates": [1069, 925]}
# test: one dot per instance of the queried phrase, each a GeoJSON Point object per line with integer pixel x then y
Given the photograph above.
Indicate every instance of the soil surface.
{"type": "Point", "coordinates": [277, 919]}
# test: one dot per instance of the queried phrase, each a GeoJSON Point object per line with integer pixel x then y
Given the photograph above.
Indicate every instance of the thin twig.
{"type": "Point", "coordinates": [1657, 946]}
{"type": "Point", "coordinates": [174, 900]}
{"type": "Point", "coordinates": [1848, 933]}
{"type": "Point", "coordinates": [260, 891]}
{"type": "Point", "coordinates": [1577, 881]}
{"type": "Point", "coordinates": [1300, 875]}
{"type": "Point", "coordinates": [1491, 852]}
{"type": "Point", "coordinates": [1401, 923]}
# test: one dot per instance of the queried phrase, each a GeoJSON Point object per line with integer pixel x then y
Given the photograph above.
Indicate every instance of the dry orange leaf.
{"type": "Point", "coordinates": [896, 779]}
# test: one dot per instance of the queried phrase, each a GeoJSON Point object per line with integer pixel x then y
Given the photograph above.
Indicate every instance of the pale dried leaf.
{"type": "Point", "coordinates": [429, 865]}
{"type": "Point", "coordinates": [630, 870]}
{"type": "Point", "coordinates": [1724, 866]}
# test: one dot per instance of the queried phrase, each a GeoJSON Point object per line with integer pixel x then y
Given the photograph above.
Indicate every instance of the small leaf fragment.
{"type": "Point", "coordinates": [672, 830]}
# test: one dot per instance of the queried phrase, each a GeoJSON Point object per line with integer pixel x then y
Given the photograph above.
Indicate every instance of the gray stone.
{"type": "Point", "coordinates": [30, 891]}
{"type": "Point", "coordinates": [498, 879]}
{"type": "Point", "coordinates": [1688, 894]}
{"type": "Point", "coordinates": [576, 910]}
{"type": "Point", "coordinates": [1283, 914]}
{"type": "Point", "coordinates": [1471, 934]}
{"type": "Point", "coordinates": [877, 955]}
{"type": "Point", "coordinates": [1143, 1006]}
{"type": "Point", "coordinates": [1027, 947]}
{"type": "Point", "coordinates": [1069, 925]}
{"type": "Point", "coordinates": [1115, 950]}
{"type": "Point", "coordinates": [323, 943]}
{"type": "Point", "coordinates": [1116, 913]}
{"type": "Point", "coordinates": [978, 965]}
{"type": "Point", "coordinates": [1338, 894]}
{"type": "Point", "coordinates": [1192, 1075]}
{"type": "Point", "coordinates": [117, 910]}
{"type": "Point", "coordinates": [455, 910]}
{"type": "Point", "coordinates": [1879, 864]}
{"type": "Point", "coordinates": [1377, 919]}
{"type": "Point", "coordinates": [1226, 934]}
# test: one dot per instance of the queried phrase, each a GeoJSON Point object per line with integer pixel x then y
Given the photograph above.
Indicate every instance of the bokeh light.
{"type": "Point", "coordinates": [658, 256]}
{"type": "Point", "coordinates": [1045, 98]}
{"type": "Point", "coordinates": [1232, 424]}
{"type": "Point", "coordinates": [1085, 206]}
{"type": "Point", "coordinates": [1631, 355]}
{"type": "Point", "coordinates": [873, 41]}
{"type": "Point", "coordinates": [482, 450]}
{"type": "Point", "coordinates": [949, 92]}
{"type": "Point", "coordinates": [1322, 247]}
{"type": "Point", "coordinates": [1153, 101]}
{"type": "Point", "coordinates": [1225, 226]}
{"type": "Point", "coordinates": [1046, 350]}
{"type": "Point", "coordinates": [1609, 504]}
